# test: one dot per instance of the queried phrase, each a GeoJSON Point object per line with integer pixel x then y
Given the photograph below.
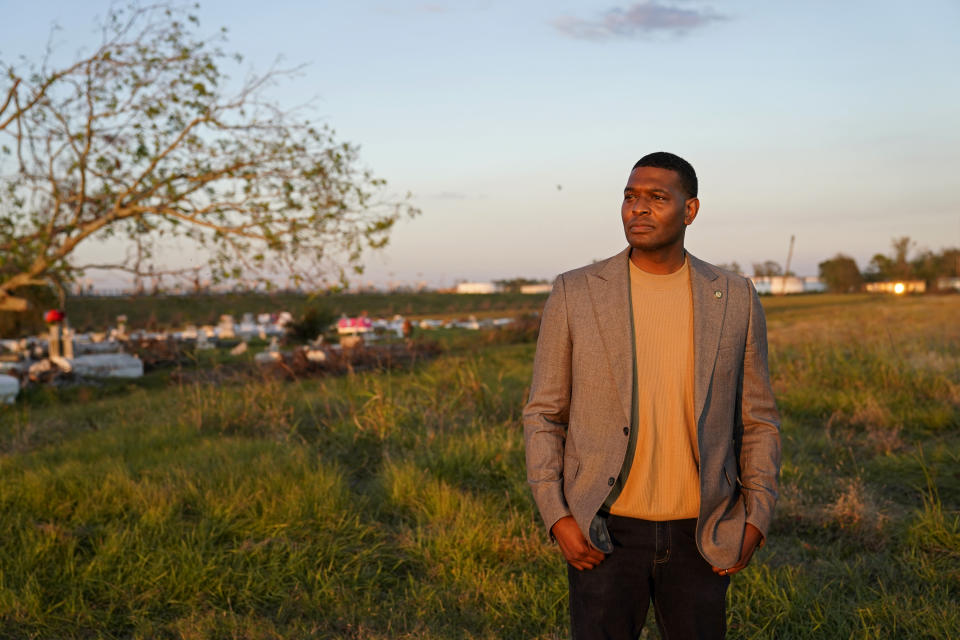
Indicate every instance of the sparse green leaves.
{"type": "Point", "coordinates": [143, 131]}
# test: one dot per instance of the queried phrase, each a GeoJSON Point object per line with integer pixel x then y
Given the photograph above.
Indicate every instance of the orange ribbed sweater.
{"type": "Point", "coordinates": [663, 482]}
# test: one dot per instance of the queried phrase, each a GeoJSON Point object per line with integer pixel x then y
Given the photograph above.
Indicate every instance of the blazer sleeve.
{"type": "Point", "coordinates": [547, 411]}
{"type": "Point", "coordinates": [760, 445]}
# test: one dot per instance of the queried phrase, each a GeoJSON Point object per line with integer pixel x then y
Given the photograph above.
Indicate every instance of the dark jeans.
{"type": "Point", "coordinates": [651, 561]}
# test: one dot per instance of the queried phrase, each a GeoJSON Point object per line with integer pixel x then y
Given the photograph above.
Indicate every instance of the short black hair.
{"type": "Point", "coordinates": [665, 160]}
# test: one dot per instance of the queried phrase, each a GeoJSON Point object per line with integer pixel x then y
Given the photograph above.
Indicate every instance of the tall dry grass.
{"type": "Point", "coordinates": [394, 504]}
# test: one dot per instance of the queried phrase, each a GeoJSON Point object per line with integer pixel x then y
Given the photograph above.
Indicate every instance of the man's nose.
{"type": "Point", "coordinates": [640, 207]}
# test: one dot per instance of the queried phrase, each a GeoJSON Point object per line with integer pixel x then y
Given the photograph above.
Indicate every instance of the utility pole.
{"type": "Point", "coordinates": [786, 269]}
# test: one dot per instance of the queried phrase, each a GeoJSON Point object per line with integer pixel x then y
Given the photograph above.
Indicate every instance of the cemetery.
{"type": "Point", "coordinates": [64, 356]}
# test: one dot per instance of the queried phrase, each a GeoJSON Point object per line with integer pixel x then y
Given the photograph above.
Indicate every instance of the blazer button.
{"type": "Point", "coordinates": [626, 431]}
{"type": "Point", "coordinates": [610, 481]}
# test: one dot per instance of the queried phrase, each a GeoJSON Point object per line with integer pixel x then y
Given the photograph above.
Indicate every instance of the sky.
{"type": "Point", "coordinates": [515, 124]}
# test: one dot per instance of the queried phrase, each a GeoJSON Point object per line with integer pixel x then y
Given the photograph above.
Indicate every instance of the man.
{"type": "Point", "coordinates": [652, 436]}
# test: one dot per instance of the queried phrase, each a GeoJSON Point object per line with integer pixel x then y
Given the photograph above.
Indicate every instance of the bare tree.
{"type": "Point", "coordinates": [732, 266]}
{"type": "Point", "coordinates": [768, 268]}
{"type": "Point", "coordinates": [896, 266]}
{"type": "Point", "coordinates": [142, 140]}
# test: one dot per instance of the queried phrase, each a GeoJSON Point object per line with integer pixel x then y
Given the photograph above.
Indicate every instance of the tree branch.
{"type": "Point", "coordinates": [137, 141]}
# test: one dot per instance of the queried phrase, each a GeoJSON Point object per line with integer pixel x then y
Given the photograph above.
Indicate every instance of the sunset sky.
{"type": "Point", "coordinates": [515, 123]}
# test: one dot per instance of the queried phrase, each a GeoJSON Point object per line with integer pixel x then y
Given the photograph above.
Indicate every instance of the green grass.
{"type": "Point", "coordinates": [394, 504]}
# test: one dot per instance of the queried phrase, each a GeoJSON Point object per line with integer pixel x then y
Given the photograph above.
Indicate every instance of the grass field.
{"type": "Point", "coordinates": [394, 504]}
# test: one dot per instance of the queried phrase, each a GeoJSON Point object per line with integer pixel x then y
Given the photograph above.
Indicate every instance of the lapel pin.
{"type": "Point", "coordinates": [718, 293]}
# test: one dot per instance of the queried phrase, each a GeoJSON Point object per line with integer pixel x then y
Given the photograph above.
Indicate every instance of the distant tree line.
{"type": "Point", "coordinates": [769, 268]}
{"type": "Point", "coordinates": [842, 275]}
{"type": "Point", "coordinates": [514, 285]}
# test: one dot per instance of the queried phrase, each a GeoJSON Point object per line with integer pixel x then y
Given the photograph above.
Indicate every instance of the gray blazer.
{"type": "Point", "coordinates": [581, 395]}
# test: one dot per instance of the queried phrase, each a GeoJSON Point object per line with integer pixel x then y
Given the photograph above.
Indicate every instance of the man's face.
{"type": "Point", "coordinates": [655, 209]}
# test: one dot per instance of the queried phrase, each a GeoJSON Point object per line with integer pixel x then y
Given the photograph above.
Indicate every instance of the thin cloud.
{"type": "Point", "coordinates": [644, 17]}
{"type": "Point", "coordinates": [449, 195]}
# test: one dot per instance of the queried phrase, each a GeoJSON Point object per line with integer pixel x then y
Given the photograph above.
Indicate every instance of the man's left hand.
{"type": "Point", "coordinates": [751, 538]}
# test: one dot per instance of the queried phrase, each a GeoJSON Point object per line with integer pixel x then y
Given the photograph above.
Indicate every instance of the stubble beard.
{"type": "Point", "coordinates": [652, 245]}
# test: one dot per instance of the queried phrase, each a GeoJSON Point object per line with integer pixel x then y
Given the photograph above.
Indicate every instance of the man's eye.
{"type": "Point", "coordinates": [657, 196]}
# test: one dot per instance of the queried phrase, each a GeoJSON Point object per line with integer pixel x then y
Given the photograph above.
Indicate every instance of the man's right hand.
{"type": "Point", "coordinates": [575, 547]}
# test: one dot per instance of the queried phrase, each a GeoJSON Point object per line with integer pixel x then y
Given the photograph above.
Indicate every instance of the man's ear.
{"type": "Point", "coordinates": [691, 207]}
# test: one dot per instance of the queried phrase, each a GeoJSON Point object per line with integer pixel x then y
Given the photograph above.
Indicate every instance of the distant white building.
{"type": "Point", "coordinates": [947, 283]}
{"type": "Point", "coordinates": [896, 287]}
{"type": "Point", "coordinates": [536, 288]}
{"type": "Point", "coordinates": [813, 284]}
{"type": "Point", "coordinates": [780, 285]}
{"type": "Point", "coordinates": [476, 287]}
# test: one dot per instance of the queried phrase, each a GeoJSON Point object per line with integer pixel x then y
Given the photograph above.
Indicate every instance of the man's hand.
{"type": "Point", "coordinates": [751, 538]}
{"type": "Point", "coordinates": [575, 547]}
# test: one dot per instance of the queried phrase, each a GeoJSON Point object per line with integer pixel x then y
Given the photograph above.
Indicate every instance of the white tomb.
{"type": "Point", "coordinates": [108, 365]}
{"type": "Point", "coordinates": [9, 388]}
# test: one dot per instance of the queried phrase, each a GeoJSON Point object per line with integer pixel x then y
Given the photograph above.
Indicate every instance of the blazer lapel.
{"type": "Point", "coordinates": [609, 293]}
{"type": "Point", "coordinates": [709, 305]}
